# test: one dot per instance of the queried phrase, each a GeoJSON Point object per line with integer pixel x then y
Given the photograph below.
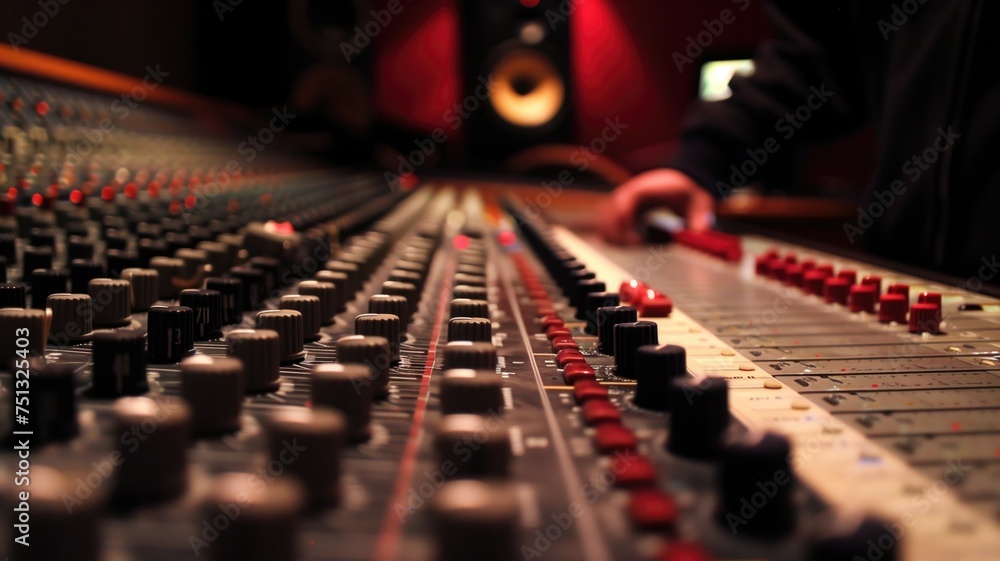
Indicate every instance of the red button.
{"type": "Point", "coordinates": [600, 411]}
{"type": "Point", "coordinates": [585, 390]}
{"type": "Point", "coordinates": [576, 371]}
{"type": "Point", "coordinates": [778, 269]}
{"type": "Point", "coordinates": [633, 471]}
{"type": "Point", "coordinates": [614, 438]}
{"type": "Point", "coordinates": [892, 307]}
{"type": "Point", "coordinates": [551, 321]}
{"type": "Point", "coordinates": [815, 280]}
{"type": "Point", "coordinates": [825, 268]}
{"type": "Point", "coordinates": [567, 356]}
{"type": "Point", "coordinates": [683, 551]}
{"type": "Point", "coordinates": [652, 510]}
{"type": "Point", "coordinates": [875, 281]}
{"type": "Point", "coordinates": [791, 258]}
{"type": "Point", "coordinates": [556, 331]}
{"type": "Point", "coordinates": [795, 275]}
{"type": "Point", "coordinates": [929, 298]}
{"type": "Point", "coordinates": [925, 317]}
{"type": "Point", "coordinates": [836, 289]}
{"type": "Point", "coordinates": [563, 343]}
{"type": "Point", "coordinates": [655, 305]}
{"type": "Point", "coordinates": [849, 274]}
{"type": "Point", "coordinates": [542, 312]}
{"type": "Point", "coordinates": [808, 265]}
{"type": "Point", "coordinates": [898, 288]}
{"type": "Point", "coordinates": [629, 289]}
{"type": "Point", "coordinates": [862, 298]}
{"type": "Point", "coordinates": [762, 265]}
{"type": "Point", "coordinates": [42, 108]}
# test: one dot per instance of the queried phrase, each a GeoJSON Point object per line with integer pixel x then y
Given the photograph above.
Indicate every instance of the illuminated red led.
{"type": "Point", "coordinates": [37, 199]}
{"type": "Point", "coordinates": [41, 108]}
{"type": "Point", "coordinates": [461, 241]}
{"type": "Point", "coordinates": [131, 190]}
{"type": "Point", "coordinates": [76, 196]}
{"type": "Point", "coordinates": [507, 238]}
{"type": "Point", "coordinates": [529, 3]}
{"type": "Point", "coordinates": [108, 193]}
{"type": "Point", "coordinates": [190, 201]}
{"type": "Point", "coordinates": [408, 181]}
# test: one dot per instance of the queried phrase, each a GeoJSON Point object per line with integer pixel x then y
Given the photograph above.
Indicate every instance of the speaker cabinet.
{"type": "Point", "coordinates": [521, 48]}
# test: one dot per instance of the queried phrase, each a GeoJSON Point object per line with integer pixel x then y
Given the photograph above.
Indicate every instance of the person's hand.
{"type": "Point", "coordinates": [658, 187]}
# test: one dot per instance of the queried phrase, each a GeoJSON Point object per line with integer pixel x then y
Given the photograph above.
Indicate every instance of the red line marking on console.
{"type": "Point", "coordinates": [388, 541]}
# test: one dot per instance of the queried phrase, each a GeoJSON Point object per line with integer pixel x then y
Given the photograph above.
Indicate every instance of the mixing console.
{"type": "Point", "coordinates": [279, 361]}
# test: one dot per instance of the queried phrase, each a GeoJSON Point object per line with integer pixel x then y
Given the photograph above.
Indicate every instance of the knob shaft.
{"type": "Point", "coordinates": [346, 388]}
{"type": "Point", "coordinates": [628, 338]}
{"type": "Point", "coordinates": [213, 389]}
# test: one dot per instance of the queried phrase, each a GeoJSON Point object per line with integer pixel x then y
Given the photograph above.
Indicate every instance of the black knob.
{"type": "Point", "coordinates": [470, 354]}
{"type": "Point", "coordinates": [171, 333]}
{"type": "Point", "coordinates": [657, 368]}
{"type": "Point", "coordinates": [327, 294]}
{"type": "Point", "coordinates": [254, 286]}
{"type": "Point", "coordinates": [119, 363]}
{"type": "Point", "coordinates": [870, 533]}
{"type": "Point", "coordinates": [386, 304]}
{"type": "Point", "coordinates": [17, 323]}
{"type": "Point", "coordinates": [53, 400]}
{"type": "Point", "coordinates": [411, 277]}
{"type": "Point", "coordinates": [758, 474]}
{"type": "Point", "coordinates": [213, 389]}
{"type": "Point", "coordinates": [353, 275]}
{"type": "Point", "coordinates": [469, 280]}
{"type": "Point", "coordinates": [46, 282]}
{"type": "Point", "coordinates": [36, 258]}
{"type": "Point", "coordinates": [169, 269]}
{"type": "Point", "coordinates": [72, 319]}
{"type": "Point", "coordinates": [78, 527]}
{"type": "Point", "coordinates": [118, 260]}
{"type": "Point", "coordinates": [145, 289]}
{"type": "Point", "coordinates": [628, 338]}
{"type": "Point", "coordinates": [591, 303]}
{"type": "Point", "coordinates": [471, 392]}
{"type": "Point", "coordinates": [207, 307]}
{"type": "Point", "coordinates": [8, 248]}
{"type": "Point", "coordinates": [476, 520]}
{"type": "Point", "coordinates": [380, 325]}
{"type": "Point", "coordinates": [150, 249]}
{"type": "Point", "coordinates": [13, 295]}
{"type": "Point", "coordinates": [115, 238]}
{"type": "Point", "coordinates": [346, 388]}
{"type": "Point", "coordinates": [260, 352]}
{"type": "Point", "coordinates": [470, 329]}
{"type": "Point", "coordinates": [341, 283]}
{"type": "Point", "coordinates": [406, 290]}
{"type": "Point", "coordinates": [699, 415]}
{"type": "Point", "coordinates": [465, 308]}
{"type": "Point", "coordinates": [578, 295]}
{"type": "Point", "coordinates": [607, 319]}
{"type": "Point", "coordinates": [370, 351]}
{"type": "Point", "coordinates": [470, 292]}
{"type": "Point", "coordinates": [156, 469]}
{"type": "Point", "coordinates": [288, 324]}
{"type": "Point", "coordinates": [231, 290]}
{"type": "Point", "coordinates": [272, 271]}
{"type": "Point", "coordinates": [81, 272]}
{"type": "Point", "coordinates": [112, 306]}
{"type": "Point", "coordinates": [317, 436]}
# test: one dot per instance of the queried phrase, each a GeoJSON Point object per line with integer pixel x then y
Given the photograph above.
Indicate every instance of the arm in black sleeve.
{"type": "Point", "coordinates": [812, 60]}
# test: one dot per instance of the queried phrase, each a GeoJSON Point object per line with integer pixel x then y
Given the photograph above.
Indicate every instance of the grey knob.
{"type": "Point", "coordinates": [154, 450]}
{"type": "Point", "coordinates": [112, 306]}
{"type": "Point", "coordinates": [467, 391]}
{"type": "Point", "coordinates": [213, 388]}
{"type": "Point", "coordinates": [347, 388]}
{"type": "Point", "coordinates": [370, 351]}
{"type": "Point", "coordinates": [475, 520]}
{"type": "Point", "coordinates": [309, 307]}
{"type": "Point", "coordinates": [72, 319]}
{"type": "Point", "coordinates": [308, 443]}
{"type": "Point", "coordinates": [260, 352]}
{"type": "Point", "coordinates": [119, 363]}
{"type": "Point", "coordinates": [327, 294]}
{"type": "Point", "coordinates": [145, 287]}
{"type": "Point", "coordinates": [491, 458]}
{"type": "Point", "coordinates": [288, 324]}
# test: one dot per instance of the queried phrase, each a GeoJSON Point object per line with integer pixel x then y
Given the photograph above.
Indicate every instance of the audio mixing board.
{"type": "Point", "coordinates": [290, 362]}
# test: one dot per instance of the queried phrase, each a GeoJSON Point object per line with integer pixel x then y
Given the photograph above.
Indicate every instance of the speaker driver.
{"type": "Point", "coordinates": [529, 91]}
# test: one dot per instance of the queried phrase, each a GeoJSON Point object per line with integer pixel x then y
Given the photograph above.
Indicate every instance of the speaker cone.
{"type": "Point", "coordinates": [528, 89]}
